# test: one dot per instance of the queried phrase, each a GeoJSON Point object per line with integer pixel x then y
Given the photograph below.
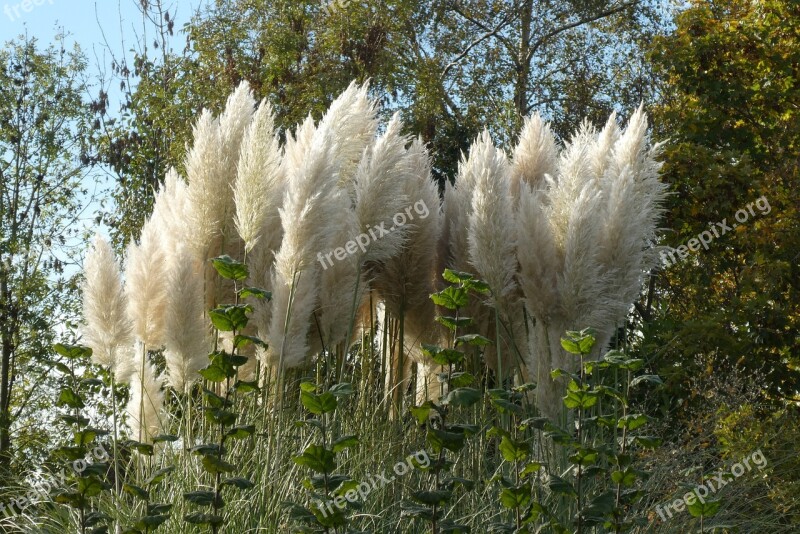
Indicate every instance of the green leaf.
{"type": "Point", "coordinates": [421, 412]}
{"type": "Point", "coordinates": [203, 498]}
{"type": "Point", "coordinates": [461, 379]}
{"type": "Point", "coordinates": [214, 464]}
{"type": "Point", "coordinates": [136, 491]}
{"type": "Point", "coordinates": [709, 508]}
{"type": "Point", "coordinates": [165, 438]}
{"type": "Point", "coordinates": [653, 379]}
{"type": "Point", "coordinates": [454, 323]}
{"type": "Point", "coordinates": [239, 482]}
{"type": "Point", "coordinates": [72, 352]}
{"type": "Point", "coordinates": [241, 341]}
{"type": "Point", "coordinates": [70, 398]}
{"type": "Point", "coordinates": [648, 442]}
{"type": "Point", "coordinates": [158, 509]}
{"type": "Point", "coordinates": [456, 277]}
{"type": "Point", "coordinates": [625, 478]}
{"type": "Point", "coordinates": [504, 406]}
{"type": "Point", "coordinates": [448, 357]}
{"type": "Point", "coordinates": [559, 485]}
{"type": "Point", "coordinates": [229, 268]}
{"type": "Point", "coordinates": [244, 386]}
{"type": "Point", "coordinates": [317, 458]}
{"type": "Point", "coordinates": [477, 286]}
{"type": "Point", "coordinates": [231, 317]}
{"type": "Point", "coordinates": [475, 340]}
{"type": "Point", "coordinates": [197, 518]}
{"type": "Point", "coordinates": [513, 450]}
{"type": "Point", "coordinates": [451, 298]}
{"type": "Point", "coordinates": [531, 468]}
{"type": "Point", "coordinates": [580, 399]}
{"type": "Point", "coordinates": [345, 442]}
{"type": "Point", "coordinates": [632, 421]}
{"type": "Point", "coordinates": [318, 404]}
{"type": "Point", "coordinates": [159, 475]}
{"type": "Point", "coordinates": [441, 439]}
{"type": "Point", "coordinates": [578, 342]}
{"type": "Point", "coordinates": [151, 522]}
{"type": "Point", "coordinates": [516, 497]}
{"type": "Point", "coordinates": [463, 397]}
{"type": "Point", "coordinates": [343, 389]}
{"type": "Point", "coordinates": [241, 432]}
{"type": "Point", "coordinates": [255, 292]}
{"type": "Point", "coordinates": [145, 449]}
{"type": "Point", "coordinates": [220, 417]}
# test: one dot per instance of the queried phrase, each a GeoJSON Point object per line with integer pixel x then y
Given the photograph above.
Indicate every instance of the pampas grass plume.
{"type": "Point", "coordinates": [108, 330]}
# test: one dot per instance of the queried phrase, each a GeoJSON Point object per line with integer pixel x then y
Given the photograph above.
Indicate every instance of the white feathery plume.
{"type": "Point", "coordinates": [186, 334]}
{"type": "Point", "coordinates": [458, 203]}
{"type": "Point", "coordinates": [491, 238]}
{"type": "Point", "coordinates": [588, 235]}
{"type": "Point", "coordinates": [145, 402]}
{"type": "Point", "coordinates": [379, 193]}
{"type": "Point", "coordinates": [341, 281]}
{"type": "Point", "coordinates": [205, 189]}
{"type": "Point", "coordinates": [257, 176]}
{"type": "Point", "coordinates": [146, 287]}
{"type": "Point", "coordinates": [310, 202]}
{"type": "Point", "coordinates": [534, 157]}
{"type": "Point", "coordinates": [352, 120]}
{"type": "Point", "coordinates": [108, 330]}
{"type": "Point", "coordinates": [211, 169]}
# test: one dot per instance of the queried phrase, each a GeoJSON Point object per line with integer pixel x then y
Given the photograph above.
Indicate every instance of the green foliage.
{"type": "Point", "coordinates": [326, 489]}
{"type": "Point", "coordinates": [730, 108]}
{"type": "Point", "coordinates": [220, 410]}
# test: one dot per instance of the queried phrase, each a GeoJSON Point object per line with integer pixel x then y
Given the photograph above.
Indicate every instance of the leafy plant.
{"type": "Point", "coordinates": [330, 491]}
{"type": "Point", "coordinates": [219, 407]}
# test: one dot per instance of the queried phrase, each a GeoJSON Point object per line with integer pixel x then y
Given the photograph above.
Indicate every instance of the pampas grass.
{"type": "Point", "coordinates": [590, 229]}
{"type": "Point", "coordinates": [107, 330]}
{"type": "Point", "coordinates": [186, 333]}
{"type": "Point", "coordinates": [312, 199]}
{"type": "Point", "coordinates": [257, 178]}
{"type": "Point", "coordinates": [146, 400]}
{"type": "Point", "coordinates": [146, 288]}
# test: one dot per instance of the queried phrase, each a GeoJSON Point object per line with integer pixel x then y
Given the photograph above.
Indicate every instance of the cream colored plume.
{"type": "Point", "coordinates": [257, 177]}
{"type": "Point", "coordinates": [380, 196]}
{"type": "Point", "coordinates": [311, 201]}
{"type": "Point", "coordinates": [491, 238]}
{"type": "Point", "coordinates": [186, 333]}
{"type": "Point", "coordinates": [535, 156]}
{"type": "Point", "coordinates": [145, 402]}
{"type": "Point", "coordinates": [211, 170]}
{"type": "Point", "coordinates": [585, 241]}
{"type": "Point", "coordinates": [146, 287]}
{"type": "Point", "coordinates": [107, 330]}
{"type": "Point", "coordinates": [351, 123]}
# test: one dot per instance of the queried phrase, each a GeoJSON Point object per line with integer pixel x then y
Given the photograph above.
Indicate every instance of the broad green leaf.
{"type": "Point", "coordinates": [72, 352]}
{"type": "Point", "coordinates": [345, 442]}
{"type": "Point", "coordinates": [136, 491]}
{"type": "Point", "coordinates": [229, 268]}
{"type": "Point", "coordinates": [451, 298]}
{"type": "Point", "coordinates": [317, 458]}
{"type": "Point", "coordinates": [514, 450]}
{"type": "Point", "coordinates": [463, 397]}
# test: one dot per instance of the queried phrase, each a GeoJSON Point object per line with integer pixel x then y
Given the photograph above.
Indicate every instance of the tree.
{"type": "Point", "coordinates": [43, 163]}
{"type": "Point", "coordinates": [730, 106]}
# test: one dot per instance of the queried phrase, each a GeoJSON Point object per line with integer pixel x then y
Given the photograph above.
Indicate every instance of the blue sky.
{"type": "Point", "coordinates": [85, 21]}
